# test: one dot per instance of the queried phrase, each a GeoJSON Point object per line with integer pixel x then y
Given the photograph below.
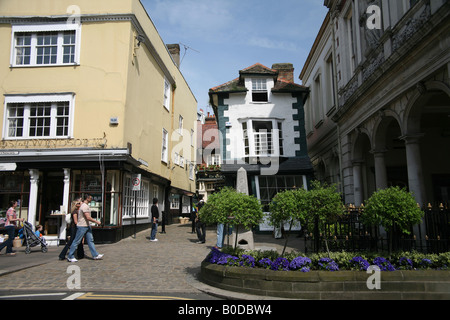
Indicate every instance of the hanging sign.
{"type": "Point", "coordinates": [8, 167]}
{"type": "Point", "coordinates": [136, 182]}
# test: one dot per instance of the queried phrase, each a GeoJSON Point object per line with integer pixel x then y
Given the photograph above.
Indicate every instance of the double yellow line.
{"type": "Point", "coordinates": [100, 296]}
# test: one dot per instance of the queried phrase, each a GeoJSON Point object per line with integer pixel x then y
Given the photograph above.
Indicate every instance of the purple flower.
{"type": "Point", "coordinates": [247, 261]}
{"type": "Point", "coordinates": [300, 263]}
{"type": "Point", "coordinates": [383, 264]}
{"type": "Point", "coordinates": [360, 263]}
{"type": "Point", "coordinates": [265, 263]}
{"type": "Point", "coordinates": [280, 264]}
{"type": "Point", "coordinates": [328, 264]}
{"type": "Point", "coordinates": [425, 263]}
{"type": "Point", "coordinates": [405, 263]}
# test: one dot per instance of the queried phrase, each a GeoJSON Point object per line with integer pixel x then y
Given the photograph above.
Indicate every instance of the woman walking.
{"type": "Point", "coordinates": [84, 229]}
{"type": "Point", "coordinates": [10, 227]}
{"type": "Point", "coordinates": [72, 230]}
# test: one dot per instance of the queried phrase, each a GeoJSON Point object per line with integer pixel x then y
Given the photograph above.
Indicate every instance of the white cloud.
{"type": "Point", "coordinates": [196, 18]}
{"type": "Point", "coordinates": [267, 43]}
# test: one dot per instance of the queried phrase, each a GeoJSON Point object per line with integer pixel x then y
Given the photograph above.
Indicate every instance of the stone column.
{"type": "Point", "coordinates": [380, 169]}
{"type": "Point", "coordinates": [34, 189]}
{"type": "Point", "coordinates": [357, 183]}
{"type": "Point", "coordinates": [66, 204]}
{"type": "Point", "coordinates": [414, 162]}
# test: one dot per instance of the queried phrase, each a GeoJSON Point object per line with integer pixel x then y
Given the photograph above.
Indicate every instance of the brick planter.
{"type": "Point", "coordinates": [317, 285]}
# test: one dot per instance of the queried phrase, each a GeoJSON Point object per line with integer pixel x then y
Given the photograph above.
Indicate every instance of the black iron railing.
{"type": "Point", "coordinates": [349, 233]}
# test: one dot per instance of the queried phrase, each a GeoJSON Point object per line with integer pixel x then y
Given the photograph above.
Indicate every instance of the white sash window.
{"type": "Point", "coordinates": [38, 117]}
{"type": "Point", "coordinates": [45, 45]}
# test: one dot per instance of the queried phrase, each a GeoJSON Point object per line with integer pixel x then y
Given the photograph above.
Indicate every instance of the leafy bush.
{"type": "Point", "coordinates": [228, 203]}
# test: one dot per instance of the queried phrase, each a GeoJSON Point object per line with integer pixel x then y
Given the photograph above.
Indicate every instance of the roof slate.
{"type": "Point", "coordinates": [237, 85]}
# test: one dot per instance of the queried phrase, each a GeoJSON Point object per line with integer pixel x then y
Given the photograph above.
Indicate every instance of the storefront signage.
{"type": "Point", "coordinates": [8, 167]}
{"type": "Point", "coordinates": [54, 143]}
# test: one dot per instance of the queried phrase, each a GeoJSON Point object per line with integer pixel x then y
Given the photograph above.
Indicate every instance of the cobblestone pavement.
{"type": "Point", "coordinates": [131, 265]}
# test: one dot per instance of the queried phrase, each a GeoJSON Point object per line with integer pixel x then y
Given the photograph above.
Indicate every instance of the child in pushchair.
{"type": "Point", "coordinates": [31, 239]}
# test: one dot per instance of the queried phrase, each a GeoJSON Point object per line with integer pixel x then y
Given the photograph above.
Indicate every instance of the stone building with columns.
{"type": "Point", "coordinates": [379, 109]}
{"type": "Point", "coordinates": [93, 102]}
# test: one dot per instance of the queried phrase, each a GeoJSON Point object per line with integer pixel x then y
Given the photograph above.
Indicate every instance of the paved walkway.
{"type": "Point", "coordinates": [131, 265]}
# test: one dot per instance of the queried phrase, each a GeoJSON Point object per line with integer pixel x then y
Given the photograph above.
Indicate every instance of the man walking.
{"type": "Point", "coordinates": [84, 230]}
{"type": "Point", "coordinates": [155, 217]}
{"type": "Point", "coordinates": [199, 225]}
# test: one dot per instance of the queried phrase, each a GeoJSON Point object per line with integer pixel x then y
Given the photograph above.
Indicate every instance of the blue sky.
{"type": "Point", "coordinates": [226, 36]}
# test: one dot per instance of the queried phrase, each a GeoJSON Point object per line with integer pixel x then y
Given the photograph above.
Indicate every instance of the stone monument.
{"type": "Point", "coordinates": [244, 237]}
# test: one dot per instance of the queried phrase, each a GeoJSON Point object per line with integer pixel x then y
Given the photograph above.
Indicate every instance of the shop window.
{"type": "Point", "coordinates": [105, 192]}
{"type": "Point", "coordinates": [269, 186]}
{"type": "Point", "coordinates": [142, 205]}
{"type": "Point", "coordinates": [14, 186]}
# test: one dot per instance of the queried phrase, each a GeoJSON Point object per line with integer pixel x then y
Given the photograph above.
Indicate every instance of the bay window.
{"type": "Point", "coordinates": [262, 137]}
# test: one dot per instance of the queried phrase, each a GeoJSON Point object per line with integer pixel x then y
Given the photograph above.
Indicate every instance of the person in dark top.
{"type": "Point", "coordinates": [72, 231]}
{"type": "Point", "coordinates": [199, 225]}
{"type": "Point", "coordinates": [155, 217]}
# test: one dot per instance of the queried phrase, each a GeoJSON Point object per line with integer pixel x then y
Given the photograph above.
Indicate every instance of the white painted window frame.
{"type": "Point", "coordinates": [34, 29]}
{"type": "Point", "coordinates": [29, 100]}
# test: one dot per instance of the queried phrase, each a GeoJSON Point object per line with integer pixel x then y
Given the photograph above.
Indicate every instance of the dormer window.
{"type": "Point", "coordinates": [259, 90]}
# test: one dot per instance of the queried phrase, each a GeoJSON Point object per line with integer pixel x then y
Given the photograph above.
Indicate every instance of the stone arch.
{"type": "Point", "coordinates": [389, 152]}
{"type": "Point", "coordinates": [381, 128]}
{"type": "Point", "coordinates": [363, 163]}
{"type": "Point", "coordinates": [421, 97]}
{"type": "Point", "coordinates": [427, 137]}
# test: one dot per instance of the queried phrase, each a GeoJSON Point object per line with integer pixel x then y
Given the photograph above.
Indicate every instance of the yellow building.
{"type": "Point", "coordinates": [91, 97]}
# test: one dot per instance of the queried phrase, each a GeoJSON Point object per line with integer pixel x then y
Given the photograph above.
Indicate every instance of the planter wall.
{"type": "Point", "coordinates": [317, 285]}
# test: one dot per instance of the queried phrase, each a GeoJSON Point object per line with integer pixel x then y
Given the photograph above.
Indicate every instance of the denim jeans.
{"type": "Point", "coordinates": [81, 232]}
{"type": "Point", "coordinates": [80, 250]}
{"type": "Point", "coordinates": [221, 235]}
{"type": "Point", "coordinates": [154, 230]}
{"type": "Point", "coordinates": [11, 230]}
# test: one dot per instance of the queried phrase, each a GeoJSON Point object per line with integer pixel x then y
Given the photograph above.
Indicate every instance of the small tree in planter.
{"type": "Point", "coordinates": [229, 206]}
{"type": "Point", "coordinates": [324, 205]}
{"type": "Point", "coordinates": [288, 206]}
{"type": "Point", "coordinates": [392, 207]}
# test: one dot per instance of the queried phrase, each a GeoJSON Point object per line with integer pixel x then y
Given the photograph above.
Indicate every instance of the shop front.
{"type": "Point", "coordinates": [45, 191]}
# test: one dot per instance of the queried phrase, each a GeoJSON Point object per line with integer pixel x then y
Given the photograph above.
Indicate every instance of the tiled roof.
{"type": "Point", "coordinates": [259, 69]}
{"type": "Point", "coordinates": [237, 85]}
{"type": "Point", "coordinates": [285, 86]}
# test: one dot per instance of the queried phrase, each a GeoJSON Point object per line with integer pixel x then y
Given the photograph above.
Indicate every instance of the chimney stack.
{"type": "Point", "coordinates": [285, 71]}
{"type": "Point", "coordinates": [174, 50]}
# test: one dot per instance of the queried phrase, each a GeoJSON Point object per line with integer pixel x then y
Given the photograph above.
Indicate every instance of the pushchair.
{"type": "Point", "coordinates": [31, 240]}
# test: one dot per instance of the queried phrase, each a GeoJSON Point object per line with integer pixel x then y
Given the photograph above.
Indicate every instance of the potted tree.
{"type": "Point", "coordinates": [231, 207]}
{"type": "Point", "coordinates": [288, 206]}
{"type": "Point", "coordinates": [324, 206]}
{"type": "Point", "coordinates": [390, 208]}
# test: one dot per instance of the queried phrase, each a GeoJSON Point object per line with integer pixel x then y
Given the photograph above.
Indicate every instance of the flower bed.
{"type": "Point", "coordinates": [340, 276]}
{"type": "Point", "coordinates": [336, 262]}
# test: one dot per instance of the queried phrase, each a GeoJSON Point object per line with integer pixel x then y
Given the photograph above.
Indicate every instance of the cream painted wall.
{"type": "Point", "coordinates": [110, 82]}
